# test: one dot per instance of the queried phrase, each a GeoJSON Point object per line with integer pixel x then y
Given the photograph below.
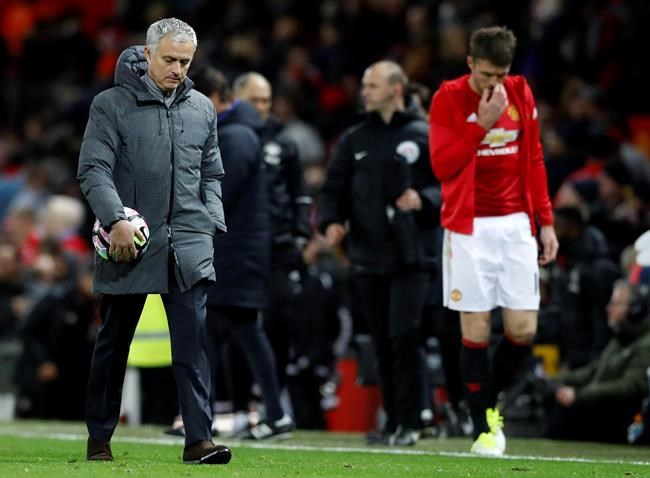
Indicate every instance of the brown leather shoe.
{"type": "Point", "coordinates": [206, 453]}
{"type": "Point", "coordinates": [98, 451]}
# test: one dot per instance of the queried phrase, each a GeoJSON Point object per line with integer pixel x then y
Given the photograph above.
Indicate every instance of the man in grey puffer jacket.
{"type": "Point", "coordinates": [151, 145]}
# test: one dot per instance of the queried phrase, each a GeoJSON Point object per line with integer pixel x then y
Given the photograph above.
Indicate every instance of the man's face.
{"type": "Point", "coordinates": [169, 64]}
{"type": "Point", "coordinates": [258, 93]}
{"type": "Point", "coordinates": [376, 91]}
{"type": "Point", "coordinates": [485, 75]}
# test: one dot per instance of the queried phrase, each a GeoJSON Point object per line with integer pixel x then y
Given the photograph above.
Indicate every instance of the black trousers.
{"type": "Point", "coordinates": [392, 305]}
{"type": "Point", "coordinates": [280, 315]}
{"type": "Point", "coordinates": [186, 318]}
{"type": "Point", "coordinates": [245, 329]}
{"type": "Point", "coordinates": [444, 324]}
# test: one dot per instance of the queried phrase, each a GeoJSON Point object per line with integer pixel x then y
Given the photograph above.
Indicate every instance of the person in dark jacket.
{"type": "Point", "coordinates": [290, 208]}
{"type": "Point", "coordinates": [379, 181]}
{"type": "Point", "coordinates": [151, 144]}
{"type": "Point", "coordinates": [242, 257]}
{"type": "Point", "coordinates": [57, 334]}
{"type": "Point", "coordinates": [12, 289]}
{"type": "Point", "coordinates": [579, 284]}
{"type": "Point", "coordinates": [597, 402]}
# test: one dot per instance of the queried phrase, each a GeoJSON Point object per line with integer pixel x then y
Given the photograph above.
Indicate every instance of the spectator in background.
{"type": "Point", "coordinates": [578, 194]}
{"type": "Point", "coordinates": [597, 402]}
{"type": "Point", "coordinates": [19, 226]}
{"type": "Point", "coordinates": [59, 221]}
{"type": "Point", "coordinates": [12, 289]}
{"type": "Point", "coordinates": [151, 144]}
{"type": "Point", "coordinates": [379, 181]}
{"type": "Point", "coordinates": [36, 188]}
{"type": "Point", "coordinates": [579, 282]}
{"type": "Point", "coordinates": [311, 149]}
{"type": "Point", "coordinates": [617, 210]}
{"type": "Point", "coordinates": [485, 150]}
{"type": "Point", "coordinates": [57, 333]}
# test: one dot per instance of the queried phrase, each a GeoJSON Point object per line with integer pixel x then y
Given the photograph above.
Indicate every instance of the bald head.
{"type": "Point", "coordinates": [383, 87]}
{"type": "Point", "coordinates": [255, 89]}
{"type": "Point", "coordinates": [391, 71]}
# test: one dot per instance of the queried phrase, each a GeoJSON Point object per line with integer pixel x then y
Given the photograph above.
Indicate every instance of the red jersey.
{"type": "Point", "coordinates": [457, 146]}
{"type": "Point", "coordinates": [498, 188]}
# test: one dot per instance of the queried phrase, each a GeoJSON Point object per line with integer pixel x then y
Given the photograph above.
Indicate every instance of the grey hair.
{"type": "Point", "coordinates": [180, 32]}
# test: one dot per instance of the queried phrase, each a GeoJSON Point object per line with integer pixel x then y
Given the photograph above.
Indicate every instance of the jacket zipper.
{"type": "Point", "coordinates": [170, 238]}
{"type": "Point", "coordinates": [176, 260]}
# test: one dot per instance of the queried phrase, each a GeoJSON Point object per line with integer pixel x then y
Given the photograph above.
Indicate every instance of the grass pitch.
{"type": "Point", "coordinates": [55, 449]}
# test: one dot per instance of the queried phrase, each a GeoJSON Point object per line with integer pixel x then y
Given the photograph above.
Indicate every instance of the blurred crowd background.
{"type": "Point", "coordinates": [583, 58]}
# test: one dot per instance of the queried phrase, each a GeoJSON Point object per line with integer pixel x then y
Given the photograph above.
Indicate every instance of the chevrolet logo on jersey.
{"type": "Point", "coordinates": [498, 137]}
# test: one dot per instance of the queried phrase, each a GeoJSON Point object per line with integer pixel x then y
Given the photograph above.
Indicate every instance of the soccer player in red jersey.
{"type": "Point", "coordinates": [485, 150]}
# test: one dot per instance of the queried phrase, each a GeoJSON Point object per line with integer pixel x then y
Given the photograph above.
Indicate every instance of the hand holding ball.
{"type": "Point", "coordinates": [116, 246]}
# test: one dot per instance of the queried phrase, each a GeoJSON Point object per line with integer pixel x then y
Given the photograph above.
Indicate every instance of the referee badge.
{"type": "Point", "coordinates": [410, 150]}
{"type": "Point", "coordinates": [456, 295]}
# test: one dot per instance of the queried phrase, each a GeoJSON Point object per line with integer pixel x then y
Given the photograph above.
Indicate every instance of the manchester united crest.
{"type": "Point", "coordinates": [513, 113]}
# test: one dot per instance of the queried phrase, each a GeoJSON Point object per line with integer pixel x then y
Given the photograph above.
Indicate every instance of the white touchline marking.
{"type": "Point", "coordinates": [335, 449]}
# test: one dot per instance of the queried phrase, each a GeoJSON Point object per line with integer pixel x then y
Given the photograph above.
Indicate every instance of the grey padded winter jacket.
{"type": "Point", "coordinates": [164, 163]}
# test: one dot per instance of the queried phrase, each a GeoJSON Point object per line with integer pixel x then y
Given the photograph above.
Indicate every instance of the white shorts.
{"type": "Point", "coordinates": [495, 266]}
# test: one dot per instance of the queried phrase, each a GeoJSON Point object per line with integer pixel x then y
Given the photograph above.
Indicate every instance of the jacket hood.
{"type": "Point", "coordinates": [411, 109]}
{"type": "Point", "coordinates": [131, 65]}
{"type": "Point", "coordinates": [411, 113]}
{"type": "Point", "coordinates": [242, 112]}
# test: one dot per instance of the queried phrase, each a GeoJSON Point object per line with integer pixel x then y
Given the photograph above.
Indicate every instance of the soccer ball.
{"type": "Point", "coordinates": [102, 239]}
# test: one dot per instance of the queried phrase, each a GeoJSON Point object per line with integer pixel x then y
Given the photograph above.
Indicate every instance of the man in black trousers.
{"type": "Point", "coordinates": [289, 209]}
{"type": "Point", "coordinates": [151, 144]}
{"type": "Point", "coordinates": [242, 257]}
{"type": "Point", "coordinates": [380, 183]}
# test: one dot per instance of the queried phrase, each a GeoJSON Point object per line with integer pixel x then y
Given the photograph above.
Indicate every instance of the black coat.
{"type": "Point", "coordinates": [242, 256]}
{"type": "Point", "coordinates": [289, 203]}
{"type": "Point", "coordinates": [580, 285]}
{"type": "Point", "coordinates": [58, 329]}
{"type": "Point", "coordinates": [372, 164]}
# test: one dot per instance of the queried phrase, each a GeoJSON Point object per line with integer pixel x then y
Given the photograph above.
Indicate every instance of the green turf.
{"type": "Point", "coordinates": [145, 452]}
